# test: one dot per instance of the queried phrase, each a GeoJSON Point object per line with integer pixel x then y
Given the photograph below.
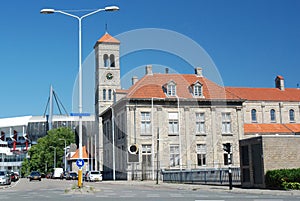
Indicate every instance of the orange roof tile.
{"type": "Point", "coordinates": [266, 94]}
{"type": "Point", "coordinates": [84, 154]}
{"type": "Point", "coordinates": [107, 38]}
{"type": "Point", "coordinates": [266, 128]}
{"type": "Point", "coordinates": [153, 86]}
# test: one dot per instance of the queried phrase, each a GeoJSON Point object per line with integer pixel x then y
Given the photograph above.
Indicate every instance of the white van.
{"type": "Point", "coordinates": [58, 173]}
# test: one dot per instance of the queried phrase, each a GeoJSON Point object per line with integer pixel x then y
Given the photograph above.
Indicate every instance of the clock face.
{"type": "Point", "coordinates": [109, 76]}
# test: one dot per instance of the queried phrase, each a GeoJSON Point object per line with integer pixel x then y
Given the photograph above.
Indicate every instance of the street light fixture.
{"type": "Point", "coordinates": [54, 160]}
{"type": "Point", "coordinates": [65, 154]}
{"type": "Point", "coordinates": [51, 11]}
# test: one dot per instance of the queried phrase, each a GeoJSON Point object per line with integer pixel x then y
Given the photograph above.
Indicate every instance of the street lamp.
{"type": "Point", "coordinates": [65, 154]}
{"type": "Point", "coordinates": [51, 11]}
{"type": "Point", "coordinates": [54, 163]}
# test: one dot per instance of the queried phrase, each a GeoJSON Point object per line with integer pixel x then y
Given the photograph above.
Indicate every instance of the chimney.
{"type": "Point", "coordinates": [198, 71]}
{"type": "Point", "coordinates": [167, 70]}
{"type": "Point", "coordinates": [134, 80]}
{"type": "Point", "coordinates": [149, 70]}
{"type": "Point", "coordinates": [279, 82]}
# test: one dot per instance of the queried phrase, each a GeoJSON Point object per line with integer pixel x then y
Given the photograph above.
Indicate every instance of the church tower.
{"type": "Point", "coordinates": [107, 78]}
{"type": "Point", "coordinates": [107, 51]}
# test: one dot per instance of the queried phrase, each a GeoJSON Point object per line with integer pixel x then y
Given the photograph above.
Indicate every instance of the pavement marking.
{"type": "Point", "coordinates": [153, 195]}
{"type": "Point", "coordinates": [209, 200]}
{"type": "Point", "coordinates": [176, 195]}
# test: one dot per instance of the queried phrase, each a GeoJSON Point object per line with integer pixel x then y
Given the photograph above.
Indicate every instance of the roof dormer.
{"type": "Point", "coordinates": [197, 89]}
{"type": "Point", "coordinates": [170, 88]}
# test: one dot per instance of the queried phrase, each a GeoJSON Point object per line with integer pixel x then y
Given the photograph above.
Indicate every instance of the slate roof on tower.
{"type": "Point", "coordinates": [107, 38]}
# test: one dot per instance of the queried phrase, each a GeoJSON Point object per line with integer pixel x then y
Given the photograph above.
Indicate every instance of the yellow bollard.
{"type": "Point", "coordinates": [79, 178]}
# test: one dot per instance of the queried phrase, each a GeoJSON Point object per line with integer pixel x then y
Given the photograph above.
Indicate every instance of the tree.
{"type": "Point", "coordinates": [42, 154]}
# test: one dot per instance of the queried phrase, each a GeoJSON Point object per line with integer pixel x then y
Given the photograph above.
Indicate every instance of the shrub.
{"type": "Point", "coordinates": [283, 179]}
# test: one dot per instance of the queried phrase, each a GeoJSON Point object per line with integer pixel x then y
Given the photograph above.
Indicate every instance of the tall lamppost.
{"type": "Point", "coordinates": [51, 11]}
{"type": "Point", "coordinates": [54, 158]}
{"type": "Point", "coordinates": [65, 154]}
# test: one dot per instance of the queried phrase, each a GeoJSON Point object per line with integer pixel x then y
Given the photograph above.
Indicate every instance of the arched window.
{"type": "Point", "coordinates": [104, 94]}
{"type": "Point", "coordinates": [109, 94]}
{"type": "Point", "coordinates": [253, 115]}
{"type": "Point", "coordinates": [105, 60]}
{"type": "Point", "coordinates": [292, 115]}
{"type": "Point", "coordinates": [272, 115]}
{"type": "Point", "coordinates": [112, 60]}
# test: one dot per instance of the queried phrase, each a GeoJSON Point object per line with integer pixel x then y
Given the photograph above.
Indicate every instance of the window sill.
{"type": "Point", "coordinates": [201, 134]}
{"type": "Point", "coordinates": [173, 134]}
{"type": "Point", "coordinates": [227, 134]}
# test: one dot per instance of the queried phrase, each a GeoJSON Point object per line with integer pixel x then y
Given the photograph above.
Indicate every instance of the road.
{"type": "Point", "coordinates": [129, 191]}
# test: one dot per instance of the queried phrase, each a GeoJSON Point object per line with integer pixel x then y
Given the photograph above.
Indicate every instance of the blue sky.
{"type": "Point", "coordinates": [250, 43]}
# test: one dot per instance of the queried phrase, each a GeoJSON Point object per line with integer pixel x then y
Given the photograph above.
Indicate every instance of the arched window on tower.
{"type": "Point", "coordinates": [112, 60]}
{"type": "Point", "coordinates": [292, 115]}
{"type": "Point", "coordinates": [105, 60]}
{"type": "Point", "coordinates": [109, 94]}
{"type": "Point", "coordinates": [253, 115]}
{"type": "Point", "coordinates": [104, 94]}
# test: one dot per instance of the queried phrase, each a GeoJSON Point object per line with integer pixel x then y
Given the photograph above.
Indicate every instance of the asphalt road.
{"type": "Point", "coordinates": [130, 191]}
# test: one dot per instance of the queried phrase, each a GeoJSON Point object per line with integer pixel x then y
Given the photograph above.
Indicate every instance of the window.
{"type": "Point", "coordinates": [201, 154]}
{"type": "Point", "coordinates": [197, 89]}
{"type": "Point", "coordinates": [173, 123]}
{"type": "Point", "coordinates": [272, 115]}
{"type": "Point", "coordinates": [109, 94]}
{"type": "Point", "coordinates": [227, 156]}
{"type": "Point", "coordinates": [145, 123]}
{"type": "Point", "coordinates": [171, 89]}
{"type": "Point", "coordinates": [226, 123]}
{"type": "Point", "coordinates": [292, 115]}
{"type": "Point", "coordinates": [112, 60]}
{"type": "Point", "coordinates": [146, 155]}
{"type": "Point", "coordinates": [174, 155]}
{"type": "Point", "coordinates": [105, 60]}
{"type": "Point", "coordinates": [146, 148]}
{"type": "Point", "coordinates": [253, 115]}
{"type": "Point", "coordinates": [200, 123]}
{"type": "Point", "coordinates": [104, 94]}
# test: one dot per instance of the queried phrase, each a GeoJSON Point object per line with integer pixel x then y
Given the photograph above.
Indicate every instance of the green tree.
{"type": "Point", "coordinates": [42, 154]}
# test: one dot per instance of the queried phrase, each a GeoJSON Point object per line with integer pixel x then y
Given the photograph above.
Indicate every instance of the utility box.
{"type": "Point", "coordinates": [263, 153]}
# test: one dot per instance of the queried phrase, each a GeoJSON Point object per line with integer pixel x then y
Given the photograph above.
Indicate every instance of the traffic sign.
{"type": "Point", "coordinates": [80, 114]}
{"type": "Point", "coordinates": [80, 162]}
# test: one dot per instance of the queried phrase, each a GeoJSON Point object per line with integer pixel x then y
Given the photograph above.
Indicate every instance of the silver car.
{"type": "Point", "coordinates": [5, 177]}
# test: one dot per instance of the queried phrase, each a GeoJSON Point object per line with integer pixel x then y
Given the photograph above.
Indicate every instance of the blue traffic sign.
{"type": "Point", "coordinates": [80, 162]}
{"type": "Point", "coordinates": [80, 114]}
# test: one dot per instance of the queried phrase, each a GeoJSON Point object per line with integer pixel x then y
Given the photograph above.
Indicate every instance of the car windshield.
{"type": "Point", "coordinates": [35, 173]}
{"type": "Point", "coordinates": [73, 174]}
{"type": "Point", "coordinates": [2, 173]}
{"type": "Point", "coordinates": [95, 172]}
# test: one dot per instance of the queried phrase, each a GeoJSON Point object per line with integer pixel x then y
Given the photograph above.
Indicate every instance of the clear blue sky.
{"type": "Point", "coordinates": [250, 42]}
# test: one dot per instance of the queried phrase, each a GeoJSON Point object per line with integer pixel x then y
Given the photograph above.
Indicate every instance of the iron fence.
{"type": "Point", "coordinates": [217, 176]}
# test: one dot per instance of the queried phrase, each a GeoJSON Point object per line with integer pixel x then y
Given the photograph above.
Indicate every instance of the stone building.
{"type": "Point", "coordinates": [180, 121]}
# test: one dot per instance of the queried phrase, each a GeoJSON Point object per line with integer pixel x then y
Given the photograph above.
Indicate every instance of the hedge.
{"type": "Point", "coordinates": [283, 179]}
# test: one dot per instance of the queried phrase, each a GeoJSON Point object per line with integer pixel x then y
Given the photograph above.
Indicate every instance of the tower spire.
{"type": "Point", "coordinates": [105, 27]}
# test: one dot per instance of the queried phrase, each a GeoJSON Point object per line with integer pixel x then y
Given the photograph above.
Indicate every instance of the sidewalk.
{"type": "Point", "coordinates": [200, 187]}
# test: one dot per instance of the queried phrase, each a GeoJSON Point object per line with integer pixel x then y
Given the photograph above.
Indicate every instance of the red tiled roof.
{"type": "Point", "coordinates": [271, 128]}
{"type": "Point", "coordinates": [84, 154]}
{"type": "Point", "coordinates": [293, 127]}
{"type": "Point", "coordinates": [107, 38]}
{"type": "Point", "coordinates": [153, 86]}
{"type": "Point", "coordinates": [266, 94]}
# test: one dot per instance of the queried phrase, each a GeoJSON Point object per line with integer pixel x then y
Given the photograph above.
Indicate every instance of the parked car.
{"type": "Point", "coordinates": [71, 176]}
{"type": "Point", "coordinates": [58, 173]}
{"type": "Point", "coordinates": [35, 175]}
{"type": "Point", "coordinates": [5, 178]}
{"type": "Point", "coordinates": [94, 176]}
{"type": "Point", "coordinates": [14, 177]}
